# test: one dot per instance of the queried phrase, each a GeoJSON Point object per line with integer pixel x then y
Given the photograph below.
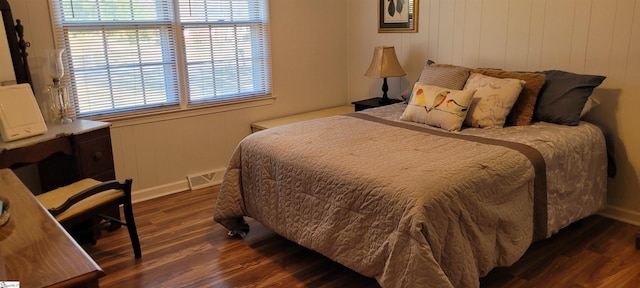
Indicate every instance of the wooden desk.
{"type": "Point", "coordinates": [35, 249]}
{"type": "Point", "coordinates": [64, 154]}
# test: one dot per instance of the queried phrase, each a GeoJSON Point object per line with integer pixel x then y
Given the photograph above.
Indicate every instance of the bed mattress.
{"type": "Point", "coordinates": [411, 205]}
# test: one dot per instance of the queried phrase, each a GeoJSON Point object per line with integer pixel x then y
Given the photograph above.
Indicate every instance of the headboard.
{"type": "Point", "coordinates": [17, 45]}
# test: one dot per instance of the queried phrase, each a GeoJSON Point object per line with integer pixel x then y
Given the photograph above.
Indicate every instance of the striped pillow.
{"type": "Point", "coordinates": [451, 77]}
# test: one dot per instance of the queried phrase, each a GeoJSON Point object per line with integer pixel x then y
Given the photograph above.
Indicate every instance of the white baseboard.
{"type": "Point", "coordinates": [621, 214]}
{"type": "Point", "coordinates": [159, 191]}
{"type": "Point", "coordinates": [163, 190]}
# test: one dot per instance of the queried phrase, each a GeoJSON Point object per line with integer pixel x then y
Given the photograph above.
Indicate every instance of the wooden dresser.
{"type": "Point", "coordinates": [34, 249]}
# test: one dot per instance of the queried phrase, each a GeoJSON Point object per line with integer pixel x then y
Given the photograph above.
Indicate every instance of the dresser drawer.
{"type": "Point", "coordinates": [94, 155]}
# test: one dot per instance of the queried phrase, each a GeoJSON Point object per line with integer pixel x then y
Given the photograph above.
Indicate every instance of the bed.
{"type": "Point", "coordinates": [409, 204]}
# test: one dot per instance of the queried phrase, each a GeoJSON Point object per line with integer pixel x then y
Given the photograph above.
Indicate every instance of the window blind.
{"type": "Point", "coordinates": [123, 56]}
{"type": "Point", "coordinates": [226, 47]}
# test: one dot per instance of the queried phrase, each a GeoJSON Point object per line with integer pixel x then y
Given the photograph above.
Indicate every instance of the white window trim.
{"type": "Point", "coordinates": [179, 113]}
{"type": "Point", "coordinates": [185, 109]}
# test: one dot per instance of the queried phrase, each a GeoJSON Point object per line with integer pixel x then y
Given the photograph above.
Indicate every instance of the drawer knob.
{"type": "Point", "coordinates": [97, 156]}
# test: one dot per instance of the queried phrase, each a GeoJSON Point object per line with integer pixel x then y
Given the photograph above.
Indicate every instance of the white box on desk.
{"type": "Point", "coordinates": [20, 115]}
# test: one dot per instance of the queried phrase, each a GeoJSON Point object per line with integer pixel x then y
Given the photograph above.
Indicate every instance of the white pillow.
{"type": "Point", "coordinates": [591, 102]}
{"type": "Point", "coordinates": [492, 101]}
{"type": "Point", "coordinates": [437, 106]}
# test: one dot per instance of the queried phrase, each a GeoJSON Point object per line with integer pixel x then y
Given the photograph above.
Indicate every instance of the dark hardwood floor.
{"type": "Point", "coordinates": [183, 247]}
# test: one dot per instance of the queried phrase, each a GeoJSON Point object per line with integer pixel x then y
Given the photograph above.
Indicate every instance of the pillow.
{"type": "Point", "coordinates": [452, 77]}
{"type": "Point", "coordinates": [492, 101]}
{"type": "Point", "coordinates": [438, 106]}
{"type": "Point", "coordinates": [590, 104]}
{"type": "Point", "coordinates": [564, 95]}
{"type": "Point", "coordinates": [522, 112]}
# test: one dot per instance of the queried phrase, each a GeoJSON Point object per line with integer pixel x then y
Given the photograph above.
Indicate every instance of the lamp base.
{"type": "Point", "coordinates": [59, 104]}
{"type": "Point", "coordinates": [385, 100]}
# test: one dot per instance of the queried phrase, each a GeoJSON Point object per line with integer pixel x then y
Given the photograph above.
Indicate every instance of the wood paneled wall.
{"type": "Point", "coordinates": [582, 36]}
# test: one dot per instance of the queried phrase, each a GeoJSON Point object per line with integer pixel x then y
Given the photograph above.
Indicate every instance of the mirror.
{"type": "Point", "coordinates": [10, 49]}
{"type": "Point", "coordinates": [6, 75]}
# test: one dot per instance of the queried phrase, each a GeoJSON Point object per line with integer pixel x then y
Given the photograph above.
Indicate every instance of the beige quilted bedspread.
{"type": "Point", "coordinates": [408, 207]}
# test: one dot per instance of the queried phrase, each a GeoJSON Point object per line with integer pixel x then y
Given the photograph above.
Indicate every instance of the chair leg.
{"type": "Point", "coordinates": [131, 226]}
{"type": "Point", "coordinates": [84, 231]}
{"type": "Point", "coordinates": [95, 230]}
{"type": "Point", "coordinates": [114, 212]}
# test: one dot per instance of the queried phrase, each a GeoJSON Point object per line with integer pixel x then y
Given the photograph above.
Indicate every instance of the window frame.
{"type": "Point", "coordinates": [183, 104]}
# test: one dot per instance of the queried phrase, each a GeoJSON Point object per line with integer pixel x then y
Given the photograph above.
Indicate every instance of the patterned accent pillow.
{"type": "Point", "coordinates": [492, 101]}
{"type": "Point", "coordinates": [438, 106]}
{"type": "Point", "coordinates": [522, 112]}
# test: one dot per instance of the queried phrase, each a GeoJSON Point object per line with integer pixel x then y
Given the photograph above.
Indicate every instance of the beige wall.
{"type": "Point", "coordinates": [582, 36]}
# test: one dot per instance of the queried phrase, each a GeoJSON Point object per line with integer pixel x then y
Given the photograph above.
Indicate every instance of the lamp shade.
{"type": "Point", "coordinates": [384, 63]}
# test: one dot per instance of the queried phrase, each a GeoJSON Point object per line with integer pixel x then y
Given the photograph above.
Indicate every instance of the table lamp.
{"type": "Point", "coordinates": [384, 64]}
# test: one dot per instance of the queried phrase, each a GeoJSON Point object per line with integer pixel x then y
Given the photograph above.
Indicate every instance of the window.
{"type": "Point", "coordinates": [130, 56]}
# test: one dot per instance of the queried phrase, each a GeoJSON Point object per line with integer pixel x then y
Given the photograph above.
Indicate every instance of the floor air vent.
{"type": "Point", "coordinates": [202, 180]}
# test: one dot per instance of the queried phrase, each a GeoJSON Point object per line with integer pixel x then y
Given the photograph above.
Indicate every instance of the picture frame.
{"type": "Point", "coordinates": [398, 16]}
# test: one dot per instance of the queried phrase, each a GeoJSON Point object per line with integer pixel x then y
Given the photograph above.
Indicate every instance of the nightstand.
{"type": "Point", "coordinates": [373, 102]}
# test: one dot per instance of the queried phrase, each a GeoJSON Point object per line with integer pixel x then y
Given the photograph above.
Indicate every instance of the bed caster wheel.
{"type": "Point", "coordinates": [234, 233]}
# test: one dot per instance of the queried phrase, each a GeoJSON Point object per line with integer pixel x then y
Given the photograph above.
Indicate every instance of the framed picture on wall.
{"type": "Point", "coordinates": [398, 16]}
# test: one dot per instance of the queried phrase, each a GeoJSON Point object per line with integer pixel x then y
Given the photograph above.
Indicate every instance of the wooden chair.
{"type": "Point", "coordinates": [86, 201]}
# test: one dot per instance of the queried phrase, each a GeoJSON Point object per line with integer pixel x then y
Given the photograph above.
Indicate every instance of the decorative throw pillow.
{"type": "Point", "coordinates": [452, 77]}
{"type": "Point", "coordinates": [564, 95]}
{"type": "Point", "coordinates": [492, 101]}
{"type": "Point", "coordinates": [438, 106]}
{"type": "Point", "coordinates": [522, 112]}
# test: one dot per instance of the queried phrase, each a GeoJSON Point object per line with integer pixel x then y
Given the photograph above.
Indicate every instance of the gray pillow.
{"type": "Point", "coordinates": [450, 77]}
{"type": "Point", "coordinates": [563, 96]}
